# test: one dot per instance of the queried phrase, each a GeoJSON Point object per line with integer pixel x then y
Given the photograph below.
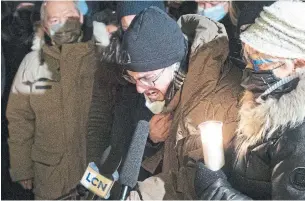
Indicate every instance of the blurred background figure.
{"type": "Point", "coordinates": [225, 12]}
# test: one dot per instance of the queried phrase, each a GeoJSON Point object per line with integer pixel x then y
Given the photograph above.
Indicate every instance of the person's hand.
{"type": "Point", "coordinates": [206, 177]}
{"type": "Point", "coordinates": [111, 28]}
{"type": "Point", "coordinates": [27, 184]}
{"type": "Point", "coordinates": [159, 126]}
{"type": "Point", "coordinates": [126, 21]}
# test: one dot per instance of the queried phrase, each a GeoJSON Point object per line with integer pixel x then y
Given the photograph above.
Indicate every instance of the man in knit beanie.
{"type": "Point", "coordinates": [181, 70]}
{"type": "Point", "coordinates": [107, 106]}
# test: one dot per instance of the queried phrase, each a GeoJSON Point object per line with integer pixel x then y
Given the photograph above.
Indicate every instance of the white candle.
{"type": "Point", "coordinates": [212, 145]}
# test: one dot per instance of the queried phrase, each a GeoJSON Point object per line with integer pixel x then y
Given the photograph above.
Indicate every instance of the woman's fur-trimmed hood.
{"type": "Point", "coordinates": [259, 121]}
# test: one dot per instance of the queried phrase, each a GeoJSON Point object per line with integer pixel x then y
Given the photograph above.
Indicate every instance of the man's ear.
{"type": "Point", "coordinates": [45, 29]}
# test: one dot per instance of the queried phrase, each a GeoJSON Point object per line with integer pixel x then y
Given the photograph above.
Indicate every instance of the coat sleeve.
{"type": "Point", "coordinates": [100, 114]}
{"type": "Point", "coordinates": [288, 162]}
{"type": "Point", "coordinates": [287, 168]}
{"type": "Point", "coordinates": [222, 190]}
{"type": "Point", "coordinates": [21, 126]}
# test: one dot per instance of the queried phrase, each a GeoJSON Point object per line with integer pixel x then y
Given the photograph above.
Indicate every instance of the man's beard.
{"type": "Point", "coordinates": [155, 107]}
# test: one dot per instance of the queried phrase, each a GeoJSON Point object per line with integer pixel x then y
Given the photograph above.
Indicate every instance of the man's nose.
{"type": "Point", "coordinates": [63, 20]}
{"type": "Point", "coordinates": [140, 88]}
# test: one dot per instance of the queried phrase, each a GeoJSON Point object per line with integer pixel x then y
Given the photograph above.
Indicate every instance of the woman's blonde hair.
{"type": "Point", "coordinates": [233, 12]}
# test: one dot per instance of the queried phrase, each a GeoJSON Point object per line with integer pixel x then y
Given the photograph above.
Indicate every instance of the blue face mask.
{"type": "Point", "coordinates": [215, 13]}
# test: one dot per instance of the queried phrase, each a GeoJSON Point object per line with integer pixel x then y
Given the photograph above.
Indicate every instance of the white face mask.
{"type": "Point", "coordinates": [155, 107]}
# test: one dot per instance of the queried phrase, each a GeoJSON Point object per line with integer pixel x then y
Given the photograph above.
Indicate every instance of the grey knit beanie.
{"type": "Point", "coordinates": [279, 31]}
{"type": "Point", "coordinates": [152, 41]}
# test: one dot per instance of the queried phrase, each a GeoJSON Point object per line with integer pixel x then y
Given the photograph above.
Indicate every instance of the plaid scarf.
{"type": "Point", "coordinates": [178, 80]}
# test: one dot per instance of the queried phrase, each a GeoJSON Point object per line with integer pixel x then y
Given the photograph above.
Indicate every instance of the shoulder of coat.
{"type": "Point", "coordinates": [31, 65]}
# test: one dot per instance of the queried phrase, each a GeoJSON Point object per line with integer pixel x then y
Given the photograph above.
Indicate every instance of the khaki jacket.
{"type": "Point", "coordinates": [210, 92]}
{"type": "Point", "coordinates": [47, 113]}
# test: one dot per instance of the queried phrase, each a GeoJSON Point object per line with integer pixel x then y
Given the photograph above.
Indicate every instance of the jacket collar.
{"type": "Point", "coordinates": [99, 36]}
{"type": "Point", "coordinates": [208, 52]}
{"type": "Point", "coordinates": [200, 30]}
{"type": "Point", "coordinates": [69, 50]}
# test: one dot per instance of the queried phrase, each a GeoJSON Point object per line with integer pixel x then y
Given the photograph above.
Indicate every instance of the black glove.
{"type": "Point", "coordinates": [206, 177]}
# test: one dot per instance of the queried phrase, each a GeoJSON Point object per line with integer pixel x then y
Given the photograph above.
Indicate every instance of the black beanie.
{"type": "Point", "coordinates": [125, 8]}
{"type": "Point", "coordinates": [152, 41]}
{"type": "Point", "coordinates": [250, 11]}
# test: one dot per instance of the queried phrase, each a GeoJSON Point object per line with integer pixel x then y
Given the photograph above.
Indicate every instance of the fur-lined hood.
{"type": "Point", "coordinates": [100, 35]}
{"type": "Point", "coordinates": [260, 121]}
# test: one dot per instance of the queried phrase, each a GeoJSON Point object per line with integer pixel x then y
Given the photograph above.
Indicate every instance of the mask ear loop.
{"type": "Point", "coordinates": [280, 83]}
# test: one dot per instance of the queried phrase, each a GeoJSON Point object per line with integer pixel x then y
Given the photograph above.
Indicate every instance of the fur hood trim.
{"type": "Point", "coordinates": [259, 121]}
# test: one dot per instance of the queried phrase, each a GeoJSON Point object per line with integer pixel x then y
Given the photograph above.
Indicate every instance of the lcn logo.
{"type": "Point", "coordinates": [96, 182]}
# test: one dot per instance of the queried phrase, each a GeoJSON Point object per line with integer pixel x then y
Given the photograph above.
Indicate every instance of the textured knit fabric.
{"type": "Point", "coordinates": [152, 41]}
{"type": "Point", "coordinates": [279, 31]}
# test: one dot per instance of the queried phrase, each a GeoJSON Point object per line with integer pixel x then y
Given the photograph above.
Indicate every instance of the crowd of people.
{"type": "Point", "coordinates": [77, 77]}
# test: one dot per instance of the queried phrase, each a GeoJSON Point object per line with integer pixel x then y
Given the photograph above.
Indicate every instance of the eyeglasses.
{"type": "Point", "coordinates": [256, 63]}
{"type": "Point", "coordinates": [145, 81]}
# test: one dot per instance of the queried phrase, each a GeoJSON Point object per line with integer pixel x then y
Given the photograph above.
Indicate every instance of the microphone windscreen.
{"type": "Point", "coordinates": [110, 161]}
{"type": "Point", "coordinates": [104, 157]}
{"type": "Point", "coordinates": [131, 168]}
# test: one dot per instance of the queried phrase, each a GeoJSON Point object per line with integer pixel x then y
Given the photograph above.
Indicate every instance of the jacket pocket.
{"type": "Point", "coordinates": [39, 155]}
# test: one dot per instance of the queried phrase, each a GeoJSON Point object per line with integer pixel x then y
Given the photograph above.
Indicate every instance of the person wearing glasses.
{"type": "Point", "coordinates": [265, 159]}
{"type": "Point", "coordinates": [182, 71]}
{"type": "Point", "coordinates": [116, 107]}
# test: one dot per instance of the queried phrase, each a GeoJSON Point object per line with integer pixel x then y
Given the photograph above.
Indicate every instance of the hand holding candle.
{"type": "Point", "coordinates": [212, 144]}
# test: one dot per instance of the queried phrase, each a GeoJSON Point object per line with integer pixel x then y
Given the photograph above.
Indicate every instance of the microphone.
{"type": "Point", "coordinates": [100, 178]}
{"type": "Point", "coordinates": [110, 160]}
{"type": "Point", "coordinates": [132, 164]}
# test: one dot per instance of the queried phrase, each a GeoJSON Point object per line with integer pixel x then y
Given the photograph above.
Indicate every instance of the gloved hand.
{"type": "Point", "coordinates": [205, 177]}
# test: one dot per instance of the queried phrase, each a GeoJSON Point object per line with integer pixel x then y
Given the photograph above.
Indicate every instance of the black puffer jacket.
{"type": "Point", "coordinates": [272, 167]}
